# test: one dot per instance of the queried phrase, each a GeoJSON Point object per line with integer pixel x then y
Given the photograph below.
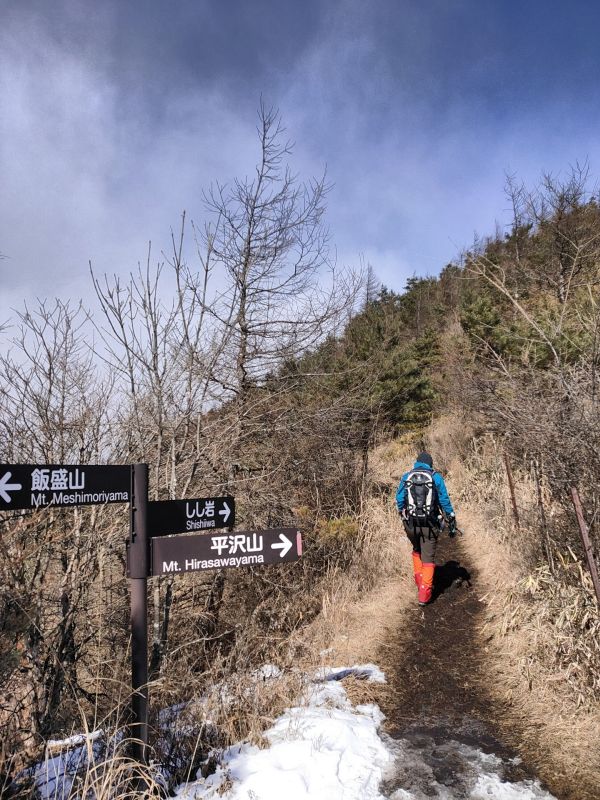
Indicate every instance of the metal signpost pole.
{"type": "Point", "coordinates": [138, 574]}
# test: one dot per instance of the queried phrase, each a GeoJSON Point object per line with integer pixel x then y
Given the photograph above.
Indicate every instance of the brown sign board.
{"type": "Point", "coordinates": [43, 485]}
{"type": "Point", "coordinates": [173, 555]}
{"type": "Point", "coordinates": [186, 516]}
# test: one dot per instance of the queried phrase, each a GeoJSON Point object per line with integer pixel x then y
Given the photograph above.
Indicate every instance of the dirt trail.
{"type": "Point", "coordinates": [460, 697]}
{"type": "Point", "coordinates": [439, 706]}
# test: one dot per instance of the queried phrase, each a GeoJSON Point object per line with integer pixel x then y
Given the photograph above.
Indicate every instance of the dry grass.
{"type": "Point", "coordinates": [361, 609]}
{"type": "Point", "coordinates": [186, 740]}
{"type": "Point", "coordinates": [117, 777]}
{"type": "Point", "coordinates": [530, 637]}
{"type": "Point", "coordinates": [540, 635]}
{"type": "Point", "coordinates": [100, 768]}
{"type": "Point", "coordinates": [536, 659]}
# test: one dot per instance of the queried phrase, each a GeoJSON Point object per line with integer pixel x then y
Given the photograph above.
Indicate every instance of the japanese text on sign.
{"type": "Point", "coordinates": [57, 479]}
{"type": "Point", "coordinates": [237, 543]}
{"type": "Point", "coordinates": [28, 486]}
{"type": "Point", "coordinates": [62, 486]}
{"type": "Point", "coordinates": [177, 554]}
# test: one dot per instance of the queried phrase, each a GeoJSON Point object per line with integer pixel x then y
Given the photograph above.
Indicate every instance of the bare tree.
{"type": "Point", "coordinates": [269, 241]}
{"type": "Point", "coordinates": [53, 409]}
{"type": "Point", "coordinates": [544, 280]}
{"type": "Point", "coordinates": [563, 215]}
{"type": "Point", "coordinates": [199, 362]}
{"type": "Point", "coordinates": [162, 351]}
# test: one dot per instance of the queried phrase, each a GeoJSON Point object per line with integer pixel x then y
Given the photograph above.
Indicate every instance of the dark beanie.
{"type": "Point", "coordinates": [425, 458]}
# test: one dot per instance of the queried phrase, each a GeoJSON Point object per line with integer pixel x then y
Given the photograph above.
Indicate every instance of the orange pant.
{"type": "Point", "coordinates": [423, 571]}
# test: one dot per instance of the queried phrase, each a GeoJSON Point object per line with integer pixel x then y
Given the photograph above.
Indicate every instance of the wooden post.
{"type": "Point", "coordinates": [511, 485]}
{"type": "Point", "coordinates": [542, 513]}
{"type": "Point", "coordinates": [587, 544]}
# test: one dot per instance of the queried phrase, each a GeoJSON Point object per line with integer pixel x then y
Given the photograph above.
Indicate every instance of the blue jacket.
{"type": "Point", "coordinates": [439, 485]}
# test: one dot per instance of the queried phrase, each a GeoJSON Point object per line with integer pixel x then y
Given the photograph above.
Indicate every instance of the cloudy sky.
{"type": "Point", "coordinates": [114, 115]}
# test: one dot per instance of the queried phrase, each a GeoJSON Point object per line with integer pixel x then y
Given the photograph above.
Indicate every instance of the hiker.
{"type": "Point", "coordinates": [421, 497]}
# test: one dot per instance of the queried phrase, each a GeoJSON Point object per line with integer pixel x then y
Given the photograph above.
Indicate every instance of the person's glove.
{"type": "Point", "coordinates": [451, 526]}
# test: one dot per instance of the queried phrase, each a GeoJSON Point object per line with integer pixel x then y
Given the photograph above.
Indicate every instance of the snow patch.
{"type": "Point", "coordinates": [53, 777]}
{"type": "Point", "coordinates": [268, 672]}
{"type": "Point", "coordinates": [490, 787]}
{"type": "Point", "coordinates": [323, 748]}
{"type": "Point", "coordinates": [368, 672]}
{"type": "Point", "coordinates": [324, 751]}
{"type": "Point", "coordinates": [73, 741]}
{"type": "Point", "coordinates": [450, 770]}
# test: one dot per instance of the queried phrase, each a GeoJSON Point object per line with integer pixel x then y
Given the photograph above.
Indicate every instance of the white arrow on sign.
{"type": "Point", "coordinates": [6, 487]}
{"type": "Point", "coordinates": [225, 513]}
{"type": "Point", "coordinates": [285, 545]}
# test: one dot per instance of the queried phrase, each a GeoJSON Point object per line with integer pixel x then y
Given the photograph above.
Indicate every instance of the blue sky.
{"type": "Point", "coordinates": [115, 115]}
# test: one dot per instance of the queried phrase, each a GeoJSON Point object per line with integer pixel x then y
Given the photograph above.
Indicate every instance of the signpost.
{"type": "Point", "coordinates": [175, 555]}
{"type": "Point", "coordinates": [26, 486]}
{"type": "Point", "coordinates": [151, 549]}
{"type": "Point", "coordinates": [183, 516]}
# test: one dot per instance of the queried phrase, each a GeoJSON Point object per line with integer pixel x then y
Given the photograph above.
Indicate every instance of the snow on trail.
{"type": "Point", "coordinates": [327, 749]}
{"type": "Point", "coordinates": [453, 771]}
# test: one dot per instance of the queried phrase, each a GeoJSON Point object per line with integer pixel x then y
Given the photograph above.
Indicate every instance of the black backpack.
{"type": "Point", "coordinates": [422, 504]}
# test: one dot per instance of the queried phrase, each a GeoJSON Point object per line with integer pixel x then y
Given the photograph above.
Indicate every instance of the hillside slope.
{"type": "Point", "coordinates": [460, 669]}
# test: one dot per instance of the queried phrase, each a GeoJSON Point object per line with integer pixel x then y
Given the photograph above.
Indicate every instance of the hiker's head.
{"type": "Point", "coordinates": [425, 458]}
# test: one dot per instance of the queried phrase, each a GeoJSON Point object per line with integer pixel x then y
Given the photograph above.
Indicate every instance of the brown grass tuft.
{"type": "Point", "coordinates": [541, 633]}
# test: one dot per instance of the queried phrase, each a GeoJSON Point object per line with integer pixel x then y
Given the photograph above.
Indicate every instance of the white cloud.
{"type": "Point", "coordinates": [90, 169]}
{"type": "Point", "coordinates": [85, 177]}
